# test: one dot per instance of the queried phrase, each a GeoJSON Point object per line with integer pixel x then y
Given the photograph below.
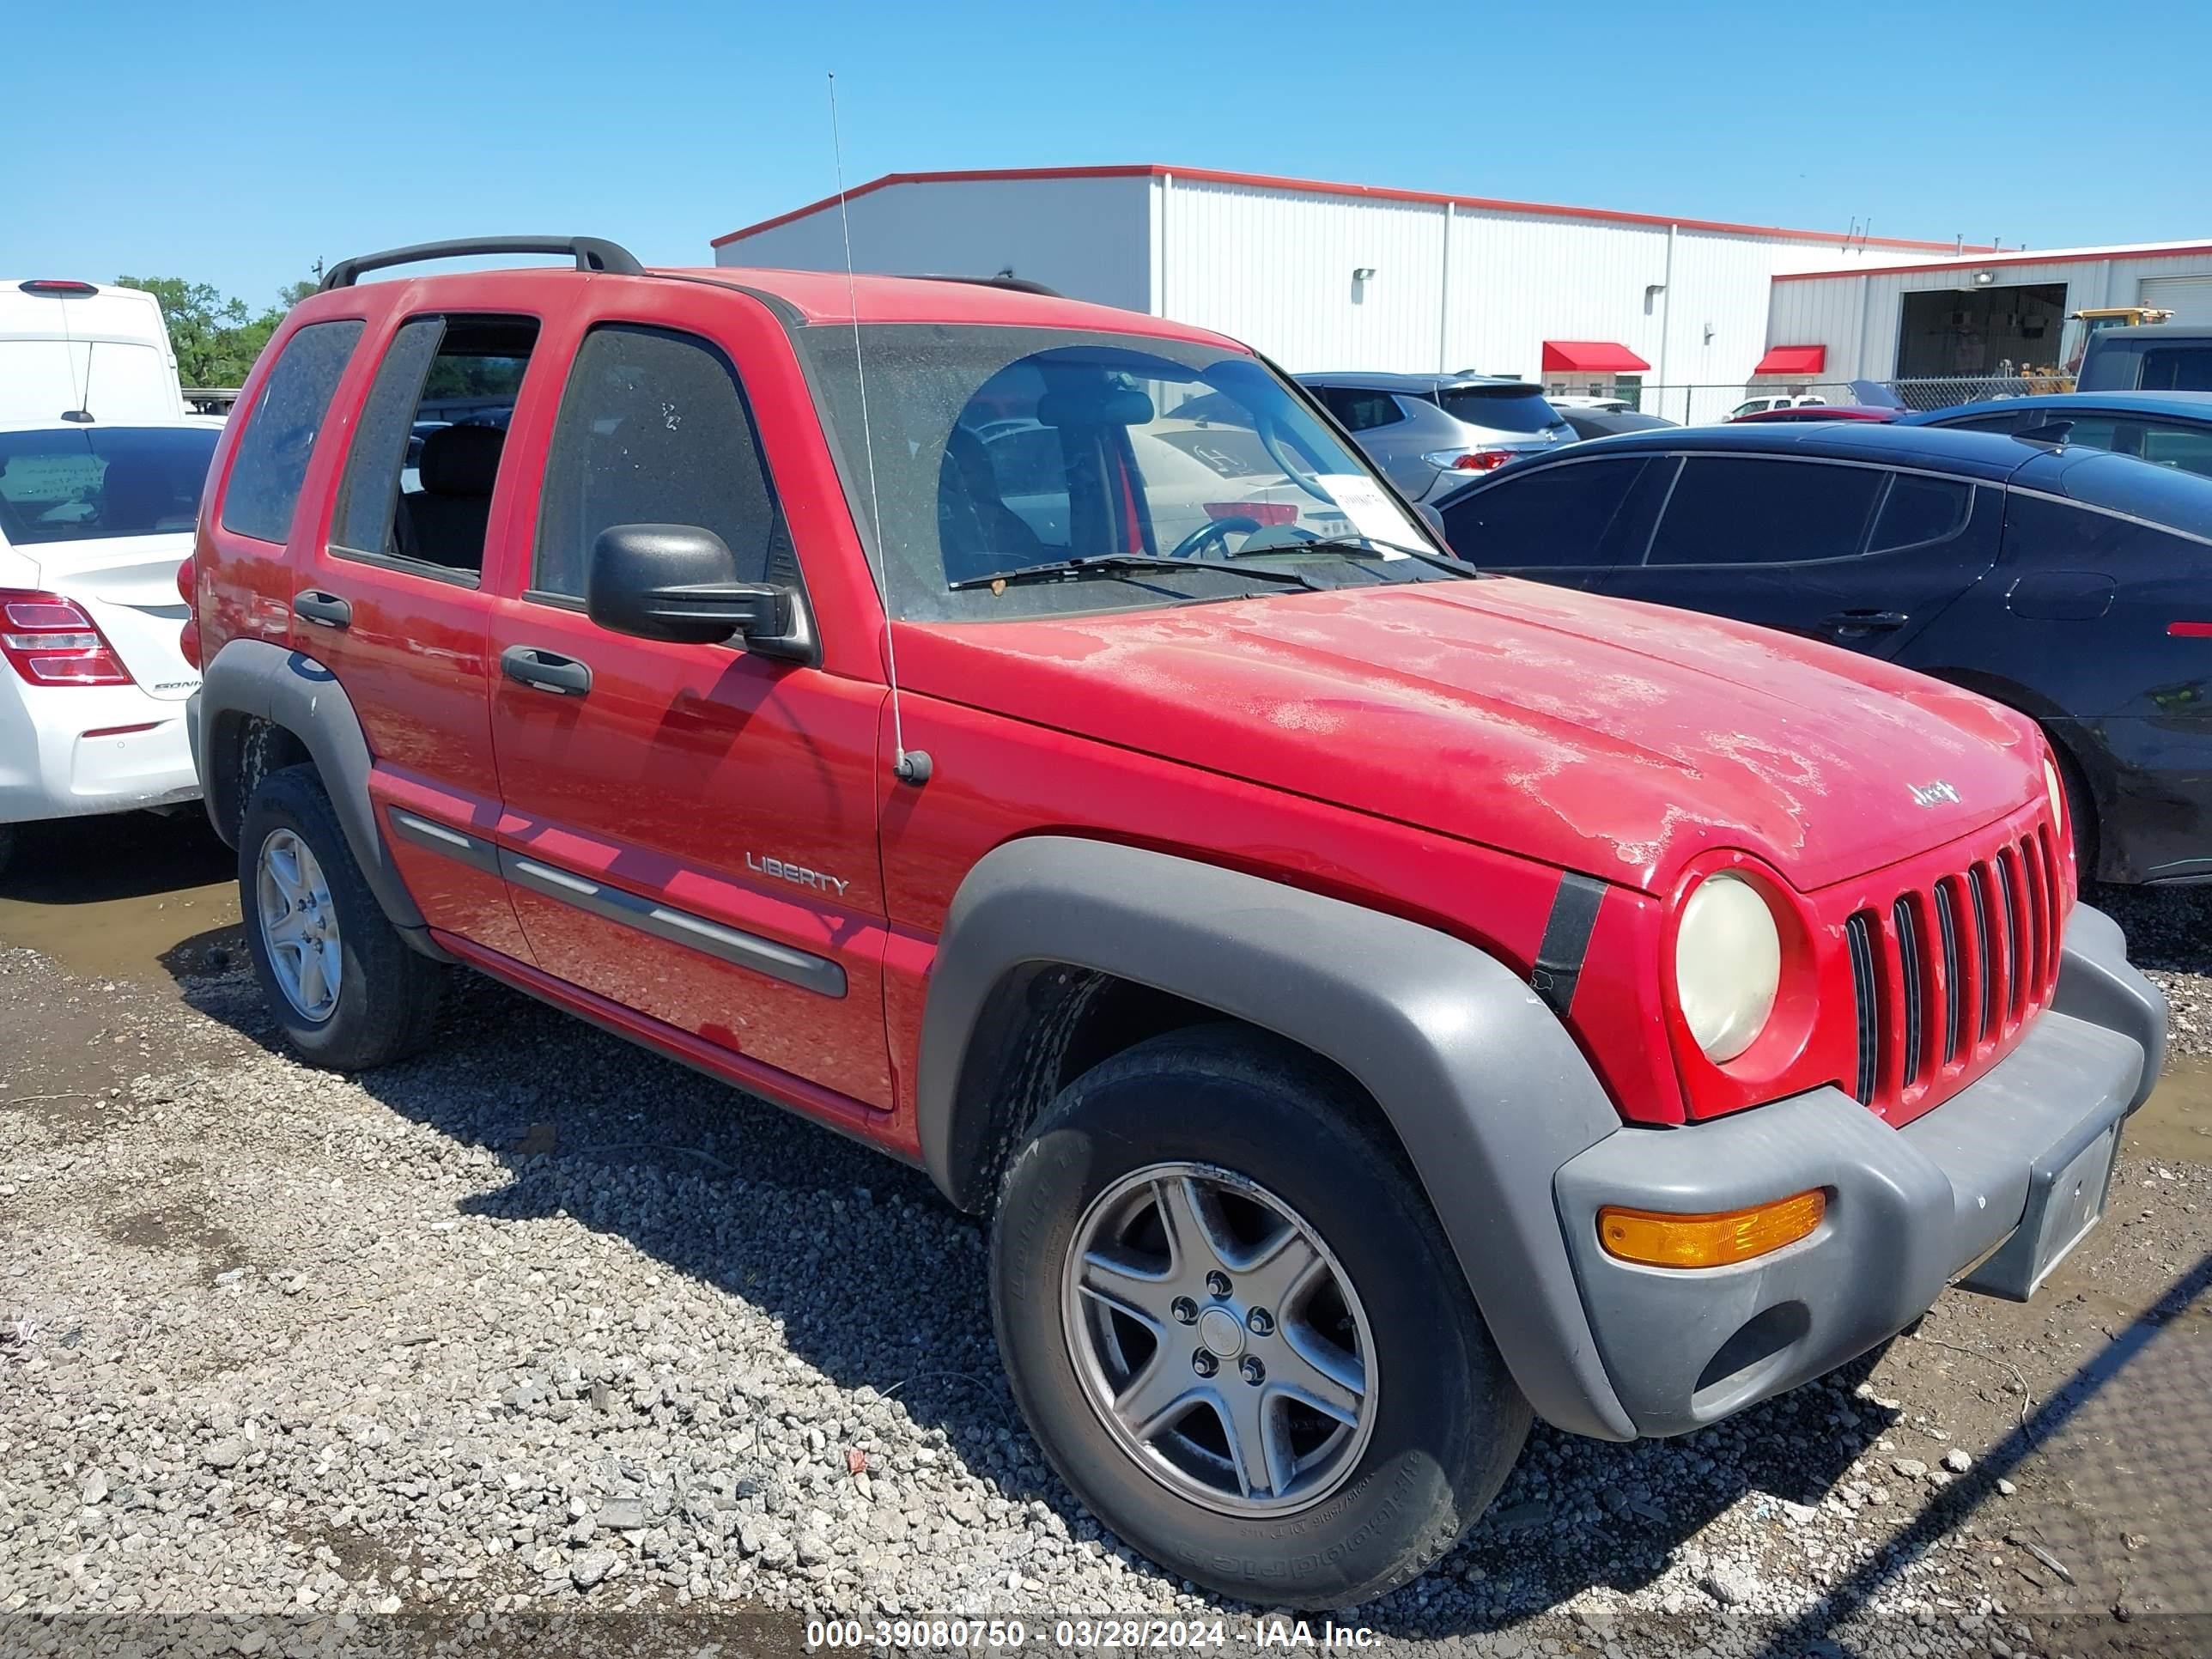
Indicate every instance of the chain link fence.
{"type": "Point", "coordinates": [1702, 404]}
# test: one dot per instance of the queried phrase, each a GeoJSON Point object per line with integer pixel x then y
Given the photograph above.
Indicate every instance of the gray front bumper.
{"type": "Point", "coordinates": [1908, 1210]}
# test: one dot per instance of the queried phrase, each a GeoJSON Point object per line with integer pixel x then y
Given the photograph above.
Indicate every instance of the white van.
{"type": "Point", "coordinates": [84, 352]}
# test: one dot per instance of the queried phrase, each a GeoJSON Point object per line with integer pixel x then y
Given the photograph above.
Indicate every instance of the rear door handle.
{"type": "Point", "coordinates": [1864, 622]}
{"type": "Point", "coordinates": [326, 609]}
{"type": "Point", "coordinates": [548, 670]}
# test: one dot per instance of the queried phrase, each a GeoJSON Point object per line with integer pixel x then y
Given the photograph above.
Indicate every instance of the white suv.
{"type": "Point", "coordinates": [95, 522]}
{"type": "Point", "coordinates": [1778, 400]}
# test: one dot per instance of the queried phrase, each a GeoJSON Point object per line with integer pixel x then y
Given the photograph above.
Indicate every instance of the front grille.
{"type": "Point", "coordinates": [1913, 1004]}
{"type": "Point", "coordinates": [1858, 933]}
{"type": "Point", "coordinates": [1954, 994]}
{"type": "Point", "coordinates": [1954, 966]}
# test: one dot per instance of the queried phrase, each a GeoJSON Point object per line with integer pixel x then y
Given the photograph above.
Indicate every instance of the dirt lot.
{"type": "Point", "coordinates": [539, 1344]}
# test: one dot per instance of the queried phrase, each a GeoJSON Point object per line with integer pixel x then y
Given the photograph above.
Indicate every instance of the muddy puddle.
{"type": "Point", "coordinates": [135, 895]}
{"type": "Point", "coordinates": [2176, 1122]}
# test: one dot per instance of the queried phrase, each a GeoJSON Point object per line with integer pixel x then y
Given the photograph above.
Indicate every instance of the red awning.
{"type": "Point", "coordinates": [1793, 360]}
{"type": "Point", "coordinates": [1591, 357]}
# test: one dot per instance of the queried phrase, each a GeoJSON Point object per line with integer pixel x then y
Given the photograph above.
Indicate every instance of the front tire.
{"type": "Point", "coordinates": [349, 991]}
{"type": "Point", "coordinates": [1236, 1329]}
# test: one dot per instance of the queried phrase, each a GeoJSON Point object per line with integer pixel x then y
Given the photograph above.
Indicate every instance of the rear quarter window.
{"type": "Point", "coordinates": [282, 427]}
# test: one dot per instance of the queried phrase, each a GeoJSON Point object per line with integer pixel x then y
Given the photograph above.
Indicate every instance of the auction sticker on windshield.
{"type": "Point", "coordinates": [1373, 513]}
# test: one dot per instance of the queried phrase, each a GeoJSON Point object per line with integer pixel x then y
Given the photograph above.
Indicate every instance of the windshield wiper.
{"type": "Point", "coordinates": [1358, 547]}
{"type": "Point", "coordinates": [1119, 564]}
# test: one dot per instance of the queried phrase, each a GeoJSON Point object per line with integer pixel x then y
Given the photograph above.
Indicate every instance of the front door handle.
{"type": "Point", "coordinates": [327, 610]}
{"type": "Point", "coordinates": [548, 670]}
{"type": "Point", "coordinates": [1849, 622]}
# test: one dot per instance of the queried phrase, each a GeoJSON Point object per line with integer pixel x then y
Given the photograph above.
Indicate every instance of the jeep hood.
{"type": "Point", "coordinates": [1613, 737]}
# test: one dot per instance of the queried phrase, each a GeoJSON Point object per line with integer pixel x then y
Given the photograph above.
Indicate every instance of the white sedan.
{"type": "Point", "coordinates": [95, 522]}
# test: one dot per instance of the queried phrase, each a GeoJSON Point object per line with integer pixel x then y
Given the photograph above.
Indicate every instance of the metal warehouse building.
{"type": "Point", "coordinates": [1670, 310]}
{"type": "Point", "coordinates": [1993, 316]}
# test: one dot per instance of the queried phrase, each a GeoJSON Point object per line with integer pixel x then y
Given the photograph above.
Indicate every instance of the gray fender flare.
{"type": "Point", "coordinates": [257, 679]}
{"type": "Point", "coordinates": [1481, 1082]}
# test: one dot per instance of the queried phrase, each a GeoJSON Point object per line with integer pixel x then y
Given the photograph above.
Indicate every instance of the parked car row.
{"type": "Point", "coordinates": [2069, 583]}
{"type": "Point", "coordinates": [1373, 1003]}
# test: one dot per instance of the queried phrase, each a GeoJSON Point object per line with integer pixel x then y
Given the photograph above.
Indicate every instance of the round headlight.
{"type": "Point", "coordinates": [2051, 782]}
{"type": "Point", "coordinates": [1727, 964]}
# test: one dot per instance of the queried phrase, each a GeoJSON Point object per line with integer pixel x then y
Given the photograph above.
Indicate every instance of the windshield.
{"type": "Point", "coordinates": [83, 485]}
{"type": "Point", "coordinates": [999, 449]}
{"type": "Point", "coordinates": [1500, 408]}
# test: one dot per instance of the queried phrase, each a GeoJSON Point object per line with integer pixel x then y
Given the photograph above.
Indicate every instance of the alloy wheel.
{"type": "Point", "coordinates": [299, 924]}
{"type": "Point", "coordinates": [1219, 1339]}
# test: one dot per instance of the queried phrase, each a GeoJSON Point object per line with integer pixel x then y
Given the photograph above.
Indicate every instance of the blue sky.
{"type": "Point", "coordinates": [234, 142]}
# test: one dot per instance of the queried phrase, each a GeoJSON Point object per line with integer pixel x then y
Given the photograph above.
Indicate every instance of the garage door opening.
{"type": "Point", "coordinates": [1947, 332]}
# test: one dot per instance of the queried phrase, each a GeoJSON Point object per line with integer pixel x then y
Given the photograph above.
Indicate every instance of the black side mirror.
{"type": "Point", "coordinates": [673, 581]}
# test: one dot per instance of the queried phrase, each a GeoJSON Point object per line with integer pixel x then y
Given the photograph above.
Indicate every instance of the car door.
{"type": "Point", "coordinates": [404, 625]}
{"type": "Point", "coordinates": [690, 830]}
{"type": "Point", "coordinates": [1858, 555]}
{"type": "Point", "coordinates": [1568, 523]}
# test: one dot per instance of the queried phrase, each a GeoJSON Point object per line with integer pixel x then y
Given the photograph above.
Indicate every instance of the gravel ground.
{"type": "Point", "coordinates": [452, 1359]}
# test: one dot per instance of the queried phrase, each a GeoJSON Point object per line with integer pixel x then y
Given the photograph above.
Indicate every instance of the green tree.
{"type": "Point", "coordinates": [215, 339]}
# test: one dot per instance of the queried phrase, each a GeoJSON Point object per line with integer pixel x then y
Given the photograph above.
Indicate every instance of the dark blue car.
{"type": "Point", "coordinates": [2167, 428]}
{"type": "Point", "coordinates": [2072, 584]}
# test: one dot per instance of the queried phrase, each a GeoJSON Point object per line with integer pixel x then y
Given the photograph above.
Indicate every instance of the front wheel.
{"type": "Point", "coordinates": [1236, 1329]}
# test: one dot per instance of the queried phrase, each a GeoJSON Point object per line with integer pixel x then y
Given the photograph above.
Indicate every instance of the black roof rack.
{"type": "Point", "coordinates": [1018, 285]}
{"type": "Point", "coordinates": [590, 252]}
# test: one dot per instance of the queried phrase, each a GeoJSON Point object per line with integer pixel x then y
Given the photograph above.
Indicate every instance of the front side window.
{"type": "Point", "coordinates": [1735, 510]}
{"type": "Point", "coordinates": [280, 428]}
{"type": "Point", "coordinates": [2187, 448]}
{"type": "Point", "coordinates": [89, 483]}
{"type": "Point", "coordinates": [655, 429]}
{"type": "Point", "coordinates": [992, 449]}
{"type": "Point", "coordinates": [1555, 516]}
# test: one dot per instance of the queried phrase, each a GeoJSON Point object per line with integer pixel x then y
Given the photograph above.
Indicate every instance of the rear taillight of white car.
{"type": "Point", "coordinates": [50, 640]}
{"type": "Point", "coordinates": [1470, 460]}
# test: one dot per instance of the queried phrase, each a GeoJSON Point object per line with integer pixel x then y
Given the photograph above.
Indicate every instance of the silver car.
{"type": "Point", "coordinates": [1430, 432]}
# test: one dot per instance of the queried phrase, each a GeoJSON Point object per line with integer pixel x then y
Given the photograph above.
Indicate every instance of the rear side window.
{"type": "Point", "coordinates": [1917, 511]}
{"type": "Point", "coordinates": [1555, 516]}
{"type": "Point", "coordinates": [2177, 368]}
{"type": "Point", "coordinates": [655, 429]}
{"type": "Point", "coordinates": [281, 430]}
{"type": "Point", "coordinates": [417, 488]}
{"type": "Point", "coordinates": [1729, 510]}
{"type": "Point", "coordinates": [1358, 411]}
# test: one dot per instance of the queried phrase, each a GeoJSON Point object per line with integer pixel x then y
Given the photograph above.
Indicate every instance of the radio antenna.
{"type": "Point", "coordinates": [910, 765]}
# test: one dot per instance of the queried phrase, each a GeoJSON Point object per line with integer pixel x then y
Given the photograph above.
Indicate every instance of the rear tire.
{"type": "Point", "coordinates": [350, 993]}
{"type": "Point", "coordinates": [1239, 1140]}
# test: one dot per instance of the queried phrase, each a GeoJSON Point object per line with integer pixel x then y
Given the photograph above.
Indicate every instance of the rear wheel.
{"type": "Point", "coordinates": [348, 990]}
{"type": "Point", "coordinates": [1237, 1330]}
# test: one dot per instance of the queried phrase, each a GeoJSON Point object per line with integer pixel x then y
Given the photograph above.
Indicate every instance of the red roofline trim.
{"type": "Point", "coordinates": [2099, 256]}
{"type": "Point", "coordinates": [1315, 186]}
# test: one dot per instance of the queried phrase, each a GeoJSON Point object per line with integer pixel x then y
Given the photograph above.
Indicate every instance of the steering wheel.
{"type": "Point", "coordinates": [1214, 530]}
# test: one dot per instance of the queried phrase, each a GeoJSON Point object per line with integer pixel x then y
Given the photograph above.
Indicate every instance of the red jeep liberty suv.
{"type": "Point", "coordinates": [1370, 1000]}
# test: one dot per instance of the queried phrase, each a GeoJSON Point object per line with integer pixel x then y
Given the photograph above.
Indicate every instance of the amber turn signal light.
{"type": "Point", "coordinates": [1659, 1240]}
